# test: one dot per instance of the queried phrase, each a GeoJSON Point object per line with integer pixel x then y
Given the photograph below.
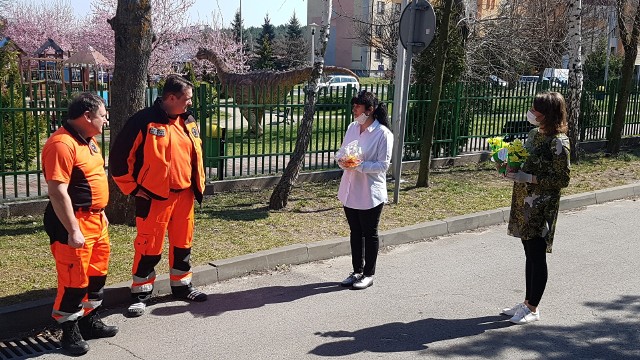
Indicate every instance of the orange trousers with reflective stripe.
{"type": "Point", "coordinates": [82, 272]}
{"type": "Point", "coordinates": [175, 216]}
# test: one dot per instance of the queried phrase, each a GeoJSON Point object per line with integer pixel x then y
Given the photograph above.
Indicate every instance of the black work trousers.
{"type": "Point", "coordinates": [364, 238]}
{"type": "Point", "coordinates": [536, 271]}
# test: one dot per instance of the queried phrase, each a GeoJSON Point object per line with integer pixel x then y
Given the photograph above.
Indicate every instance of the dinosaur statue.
{"type": "Point", "coordinates": [261, 87]}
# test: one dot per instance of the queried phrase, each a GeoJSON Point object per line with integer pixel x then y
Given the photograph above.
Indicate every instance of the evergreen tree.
{"type": "Point", "coordinates": [293, 50]}
{"type": "Point", "coordinates": [268, 31]}
{"type": "Point", "coordinates": [265, 52]}
{"type": "Point", "coordinates": [237, 29]}
{"type": "Point", "coordinates": [266, 58]}
{"type": "Point", "coordinates": [294, 31]}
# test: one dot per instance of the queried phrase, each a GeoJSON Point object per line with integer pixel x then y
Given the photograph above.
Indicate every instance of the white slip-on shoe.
{"type": "Point", "coordinates": [525, 316]}
{"type": "Point", "coordinates": [363, 283]}
{"type": "Point", "coordinates": [512, 311]}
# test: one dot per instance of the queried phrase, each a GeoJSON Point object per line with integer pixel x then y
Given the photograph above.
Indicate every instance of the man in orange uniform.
{"type": "Point", "coordinates": [157, 157]}
{"type": "Point", "coordinates": [76, 224]}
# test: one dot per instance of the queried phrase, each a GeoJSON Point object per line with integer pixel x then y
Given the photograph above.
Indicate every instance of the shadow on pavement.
{"type": "Point", "coordinates": [614, 334]}
{"type": "Point", "coordinates": [400, 337]}
{"type": "Point", "coordinates": [249, 299]}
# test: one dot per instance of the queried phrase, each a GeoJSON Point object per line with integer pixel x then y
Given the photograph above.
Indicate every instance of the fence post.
{"type": "Point", "coordinates": [347, 101]}
{"type": "Point", "coordinates": [204, 129]}
{"type": "Point", "coordinates": [453, 150]}
{"type": "Point", "coordinates": [611, 106]}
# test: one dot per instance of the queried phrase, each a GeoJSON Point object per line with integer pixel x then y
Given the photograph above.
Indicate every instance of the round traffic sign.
{"type": "Point", "coordinates": [417, 26]}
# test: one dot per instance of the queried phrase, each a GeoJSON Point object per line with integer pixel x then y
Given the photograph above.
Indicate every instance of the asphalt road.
{"type": "Point", "coordinates": [436, 299]}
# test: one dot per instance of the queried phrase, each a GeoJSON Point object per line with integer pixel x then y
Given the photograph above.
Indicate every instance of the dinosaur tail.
{"type": "Point", "coordinates": [339, 70]}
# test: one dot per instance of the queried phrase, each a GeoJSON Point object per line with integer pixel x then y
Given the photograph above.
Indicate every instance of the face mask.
{"type": "Point", "coordinates": [362, 118]}
{"type": "Point", "coordinates": [532, 118]}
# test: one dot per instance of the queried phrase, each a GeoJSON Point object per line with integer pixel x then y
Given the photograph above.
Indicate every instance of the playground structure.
{"type": "Point", "coordinates": [50, 75]}
{"type": "Point", "coordinates": [52, 69]}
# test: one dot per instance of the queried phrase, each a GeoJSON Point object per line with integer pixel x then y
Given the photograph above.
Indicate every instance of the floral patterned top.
{"type": "Point", "coordinates": [534, 207]}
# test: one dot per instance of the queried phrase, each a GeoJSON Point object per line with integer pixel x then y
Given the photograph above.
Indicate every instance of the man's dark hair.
{"type": "Point", "coordinates": [175, 85]}
{"type": "Point", "coordinates": [82, 102]}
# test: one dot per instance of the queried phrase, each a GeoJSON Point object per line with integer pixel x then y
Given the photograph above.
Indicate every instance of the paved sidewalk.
{"type": "Point", "coordinates": [434, 299]}
{"type": "Point", "coordinates": [442, 295]}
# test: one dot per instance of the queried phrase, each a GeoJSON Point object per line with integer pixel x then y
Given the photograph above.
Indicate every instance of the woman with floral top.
{"type": "Point", "coordinates": [363, 188]}
{"type": "Point", "coordinates": [536, 197]}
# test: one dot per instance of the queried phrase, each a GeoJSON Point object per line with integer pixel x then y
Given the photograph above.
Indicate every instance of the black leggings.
{"type": "Point", "coordinates": [364, 238]}
{"type": "Point", "coordinates": [536, 273]}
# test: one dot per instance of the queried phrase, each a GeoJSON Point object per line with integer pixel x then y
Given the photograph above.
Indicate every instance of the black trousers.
{"type": "Point", "coordinates": [536, 272]}
{"type": "Point", "coordinates": [364, 238]}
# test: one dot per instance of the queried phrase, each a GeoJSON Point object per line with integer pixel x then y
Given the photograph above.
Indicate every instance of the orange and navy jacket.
{"type": "Point", "coordinates": [69, 158]}
{"type": "Point", "coordinates": [140, 156]}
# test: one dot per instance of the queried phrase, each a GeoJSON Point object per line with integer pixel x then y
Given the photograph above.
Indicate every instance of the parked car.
{"type": "Point", "coordinates": [340, 81]}
{"type": "Point", "coordinates": [496, 81]}
{"type": "Point", "coordinates": [558, 82]}
{"type": "Point", "coordinates": [528, 79]}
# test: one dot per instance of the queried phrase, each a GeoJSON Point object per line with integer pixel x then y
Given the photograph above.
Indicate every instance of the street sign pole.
{"type": "Point", "coordinates": [417, 29]}
{"type": "Point", "coordinates": [403, 109]}
{"type": "Point", "coordinates": [396, 115]}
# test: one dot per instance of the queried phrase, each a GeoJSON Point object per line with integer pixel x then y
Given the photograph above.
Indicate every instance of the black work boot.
{"type": "Point", "coordinates": [92, 327]}
{"type": "Point", "coordinates": [72, 340]}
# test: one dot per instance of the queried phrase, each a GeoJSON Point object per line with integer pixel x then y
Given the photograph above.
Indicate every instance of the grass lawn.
{"type": "Point", "coordinates": [236, 223]}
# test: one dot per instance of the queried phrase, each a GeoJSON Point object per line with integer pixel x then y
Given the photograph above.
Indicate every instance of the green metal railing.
{"type": "Point", "coordinates": [468, 114]}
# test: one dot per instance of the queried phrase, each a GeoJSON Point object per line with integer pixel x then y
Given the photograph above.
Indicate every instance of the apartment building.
{"type": "Point", "coordinates": [344, 49]}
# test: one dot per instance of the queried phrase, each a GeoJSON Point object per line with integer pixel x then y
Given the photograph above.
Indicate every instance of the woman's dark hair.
{"type": "Point", "coordinates": [371, 102]}
{"type": "Point", "coordinates": [82, 102]}
{"type": "Point", "coordinates": [553, 107]}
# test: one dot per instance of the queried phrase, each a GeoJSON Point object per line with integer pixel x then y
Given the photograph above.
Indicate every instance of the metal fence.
{"type": "Point", "coordinates": [255, 134]}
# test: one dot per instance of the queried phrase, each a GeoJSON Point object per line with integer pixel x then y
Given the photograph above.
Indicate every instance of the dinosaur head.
{"type": "Point", "coordinates": [204, 54]}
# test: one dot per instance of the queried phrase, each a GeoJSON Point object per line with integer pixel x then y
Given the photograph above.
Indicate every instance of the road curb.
{"type": "Point", "coordinates": [19, 318]}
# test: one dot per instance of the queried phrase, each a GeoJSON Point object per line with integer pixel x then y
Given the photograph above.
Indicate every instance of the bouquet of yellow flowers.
{"type": "Point", "coordinates": [499, 152]}
{"type": "Point", "coordinates": [517, 155]}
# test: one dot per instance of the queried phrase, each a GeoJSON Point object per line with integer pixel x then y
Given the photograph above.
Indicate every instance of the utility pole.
{"type": "Point", "coordinates": [313, 42]}
{"type": "Point", "coordinates": [241, 42]}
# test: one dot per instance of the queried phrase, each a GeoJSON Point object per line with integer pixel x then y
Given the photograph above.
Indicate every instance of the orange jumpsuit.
{"type": "Point", "coordinates": [163, 157]}
{"type": "Point", "coordinates": [82, 272]}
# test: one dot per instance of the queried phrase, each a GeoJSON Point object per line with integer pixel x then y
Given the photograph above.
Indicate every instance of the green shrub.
{"type": "Point", "coordinates": [20, 135]}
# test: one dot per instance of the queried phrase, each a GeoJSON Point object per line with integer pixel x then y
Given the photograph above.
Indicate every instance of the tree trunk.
{"type": "Point", "coordinates": [630, 44]}
{"type": "Point", "coordinates": [133, 38]}
{"type": "Point", "coordinates": [575, 74]}
{"type": "Point", "coordinates": [436, 88]}
{"type": "Point", "coordinates": [280, 195]}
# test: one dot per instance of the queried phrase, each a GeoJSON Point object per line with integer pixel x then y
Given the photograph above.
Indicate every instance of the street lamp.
{"type": "Point", "coordinates": [610, 28]}
{"type": "Point", "coordinates": [313, 41]}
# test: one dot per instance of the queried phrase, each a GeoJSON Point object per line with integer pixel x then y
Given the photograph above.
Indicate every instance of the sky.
{"type": "Point", "coordinates": [253, 11]}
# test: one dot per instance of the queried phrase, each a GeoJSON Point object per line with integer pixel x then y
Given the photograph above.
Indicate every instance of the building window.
{"type": "Point", "coordinates": [379, 31]}
{"type": "Point", "coordinates": [380, 7]}
{"type": "Point", "coordinates": [378, 54]}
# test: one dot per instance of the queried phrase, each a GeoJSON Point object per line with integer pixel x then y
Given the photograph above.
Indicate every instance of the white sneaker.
{"type": "Point", "coordinates": [351, 279]}
{"type": "Point", "coordinates": [136, 309]}
{"type": "Point", "coordinates": [363, 283]}
{"type": "Point", "coordinates": [524, 316]}
{"type": "Point", "coordinates": [512, 311]}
